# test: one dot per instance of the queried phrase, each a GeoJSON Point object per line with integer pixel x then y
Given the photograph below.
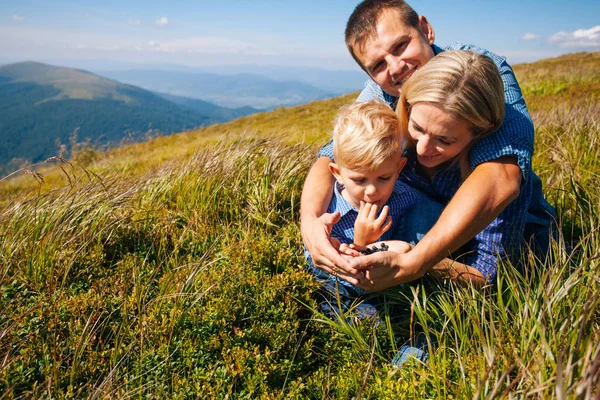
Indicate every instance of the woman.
{"type": "Point", "coordinates": [446, 107]}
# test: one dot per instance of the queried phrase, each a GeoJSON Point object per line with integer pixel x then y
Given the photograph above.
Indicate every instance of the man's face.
{"type": "Point", "coordinates": [396, 51]}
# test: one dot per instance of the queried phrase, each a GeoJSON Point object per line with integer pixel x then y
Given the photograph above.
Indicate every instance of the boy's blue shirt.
{"type": "Point", "coordinates": [403, 197]}
{"type": "Point", "coordinates": [504, 236]}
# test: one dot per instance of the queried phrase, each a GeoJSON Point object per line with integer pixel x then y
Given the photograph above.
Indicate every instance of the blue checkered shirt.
{"type": "Point", "coordinates": [504, 236]}
{"type": "Point", "coordinates": [403, 197]}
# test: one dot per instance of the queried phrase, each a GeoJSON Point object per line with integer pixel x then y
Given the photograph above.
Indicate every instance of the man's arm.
{"type": "Point", "coordinates": [479, 200]}
{"type": "Point", "coordinates": [316, 224]}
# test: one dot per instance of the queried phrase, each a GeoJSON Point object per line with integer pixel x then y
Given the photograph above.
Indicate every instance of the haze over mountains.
{"type": "Point", "coordinates": [236, 90]}
{"type": "Point", "coordinates": [42, 106]}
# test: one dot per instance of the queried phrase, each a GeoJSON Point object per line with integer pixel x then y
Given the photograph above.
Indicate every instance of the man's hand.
{"type": "Point", "coordinates": [325, 250]}
{"type": "Point", "coordinates": [368, 227]}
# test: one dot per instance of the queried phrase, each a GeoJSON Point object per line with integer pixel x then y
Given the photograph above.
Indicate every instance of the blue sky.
{"type": "Point", "coordinates": [300, 33]}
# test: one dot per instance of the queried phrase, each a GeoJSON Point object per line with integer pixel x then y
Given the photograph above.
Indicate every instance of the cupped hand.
{"type": "Point", "coordinates": [385, 269]}
{"type": "Point", "coordinates": [324, 250]}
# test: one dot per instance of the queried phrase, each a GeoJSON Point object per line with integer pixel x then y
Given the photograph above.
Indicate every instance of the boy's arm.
{"type": "Point", "coordinates": [478, 201]}
{"type": "Point", "coordinates": [316, 223]}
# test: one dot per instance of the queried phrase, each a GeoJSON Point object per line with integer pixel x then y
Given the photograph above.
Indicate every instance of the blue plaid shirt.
{"type": "Point", "coordinates": [403, 197]}
{"type": "Point", "coordinates": [504, 236]}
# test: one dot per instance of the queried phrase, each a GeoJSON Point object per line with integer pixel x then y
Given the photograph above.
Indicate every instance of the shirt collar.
{"type": "Point", "coordinates": [342, 205]}
{"type": "Point", "coordinates": [393, 100]}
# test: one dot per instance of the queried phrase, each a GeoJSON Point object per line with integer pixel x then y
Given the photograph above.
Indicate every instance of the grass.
{"type": "Point", "coordinates": [174, 269]}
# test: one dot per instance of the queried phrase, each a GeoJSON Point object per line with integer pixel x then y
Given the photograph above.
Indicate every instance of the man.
{"type": "Point", "coordinates": [390, 42]}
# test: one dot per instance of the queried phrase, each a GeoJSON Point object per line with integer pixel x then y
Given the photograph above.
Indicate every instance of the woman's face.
{"type": "Point", "coordinates": [438, 135]}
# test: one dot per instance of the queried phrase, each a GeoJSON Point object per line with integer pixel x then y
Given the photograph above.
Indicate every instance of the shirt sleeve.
{"type": "Point", "coordinates": [498, 241]}
{"type": "Point", "coordinates": [327, 151]}
{"type": "Point", "coordinates": [371, 91]}
{"type": "Point", "coordinates": [515, 136]}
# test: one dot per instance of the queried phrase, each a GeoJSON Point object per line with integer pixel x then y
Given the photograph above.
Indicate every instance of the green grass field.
{"type": "Point", "coordinates": [174, 269]}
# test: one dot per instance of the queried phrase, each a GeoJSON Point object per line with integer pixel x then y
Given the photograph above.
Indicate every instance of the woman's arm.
{"type": "Point", "coordinates": [478, 201]}
{"type": "Point", "coordinates": [387, 273]}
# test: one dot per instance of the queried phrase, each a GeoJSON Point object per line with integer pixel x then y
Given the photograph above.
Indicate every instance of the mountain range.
{"type": "Point", "coordinates": [226, 90]}
{"type": "Point", "coordinates": [43, 106]}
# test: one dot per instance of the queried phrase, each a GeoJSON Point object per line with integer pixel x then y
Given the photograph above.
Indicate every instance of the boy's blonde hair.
{"type": "Point", "coordinates": [366, 135]}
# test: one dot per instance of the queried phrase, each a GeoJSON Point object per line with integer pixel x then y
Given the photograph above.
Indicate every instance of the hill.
{"type": "Point", "coordinates": [174, 269]}
{"type": "Point", "coordinates": [42, 106]}
{"type": "Point", "coordinates": [238, 90]}
{"type": "Point", "coordinates": [217, 113]}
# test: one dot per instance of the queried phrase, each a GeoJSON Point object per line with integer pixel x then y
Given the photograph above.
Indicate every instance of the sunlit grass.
{"type": "Point", "coordinates": [174, 269]}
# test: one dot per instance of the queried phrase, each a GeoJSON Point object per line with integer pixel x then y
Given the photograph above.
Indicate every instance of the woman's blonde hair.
{"type": "Point", "coordinates": [365, 135]}
{"type": "Point", "coordinates": [463, 83]}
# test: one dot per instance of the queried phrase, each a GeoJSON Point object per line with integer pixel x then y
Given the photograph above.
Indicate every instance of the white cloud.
{"type": "Point", "coordinates": [17, 18]}
{"type": "Point", "coordinates": [208, 44]}
{"type": "Point", "coordinates": [529, 36]}
{"type": "Point", "coordinates": [579, 38]}
{"type": "Point", "coordinates": [134, 21]}
{"type": "Point", "coordinates": [162, 22]}
{"type": "Point", "coordinates": [22, 42]}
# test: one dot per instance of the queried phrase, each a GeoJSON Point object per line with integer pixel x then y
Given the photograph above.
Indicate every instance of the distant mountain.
{"type": "Point", "coordinates": [219, 114]}
{"type": "Point", "coordinates": [230, 91]}
{"type": "Point", "coordinates": [42, 105]}
{"type": "Point", "coordinates": [337, 81]}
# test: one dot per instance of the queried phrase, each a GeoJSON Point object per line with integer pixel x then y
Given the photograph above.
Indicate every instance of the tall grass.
{"type": "Point", "coordinates": [173, 269]}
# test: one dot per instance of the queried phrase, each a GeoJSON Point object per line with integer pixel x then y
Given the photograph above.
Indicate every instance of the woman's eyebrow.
{"type": "Point", "coordinates": [417, 126]}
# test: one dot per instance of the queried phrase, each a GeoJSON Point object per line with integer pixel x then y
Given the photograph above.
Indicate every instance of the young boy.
{"type": "Point", "coordinates": [367, 148]}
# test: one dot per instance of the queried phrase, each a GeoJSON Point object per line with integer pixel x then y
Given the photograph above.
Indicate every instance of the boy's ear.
{"type": "Point", "coordinates": [335, 170]}
{"type": "Point", "coordinates": [401, 164]}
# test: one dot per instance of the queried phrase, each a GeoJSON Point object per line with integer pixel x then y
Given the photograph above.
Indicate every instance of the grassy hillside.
{"type": "Point", "coordinates": [173, 269]}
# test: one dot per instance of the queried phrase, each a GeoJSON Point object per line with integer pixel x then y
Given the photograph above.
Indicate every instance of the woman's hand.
{"type": "Point", "coordinates": [386, 269]}
{"type": "Point", "coordinates": [368, 227]}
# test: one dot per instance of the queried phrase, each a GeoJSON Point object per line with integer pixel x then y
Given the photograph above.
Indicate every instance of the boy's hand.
{"type": "Point", "coordinates": [368, 227]}
{"type": "Point", "coordinates": [350, 250]}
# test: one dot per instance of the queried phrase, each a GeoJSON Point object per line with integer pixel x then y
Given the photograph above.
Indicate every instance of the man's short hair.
{"type": "Point", "coordinates": [362, 24]}
{"type": "Point", "coordinates": [366, 135]}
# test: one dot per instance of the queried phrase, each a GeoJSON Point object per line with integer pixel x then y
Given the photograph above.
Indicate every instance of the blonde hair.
{"type": "Point", "coordinates": [366, 135]}
{"type": "Point", "coordinates": [463, 83]}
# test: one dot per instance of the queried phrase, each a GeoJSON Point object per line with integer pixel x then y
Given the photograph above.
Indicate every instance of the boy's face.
{"type": "Point", "coordinates": [373, 187]}
{"type": "Point", "coordinates": [396, 51]}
